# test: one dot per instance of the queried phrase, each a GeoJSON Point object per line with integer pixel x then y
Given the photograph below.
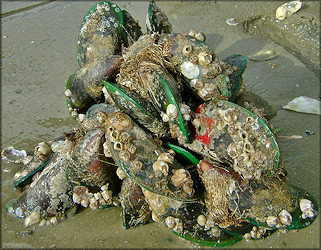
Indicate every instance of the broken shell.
{"type": "Point", "coordinates": [190, 70]}
{"type": "Point", "coordinates": [287, 9]}
{"type": "Point", "coordinates": [232, 21]}
{"type": "Point", "coordinates": [304, 104]}
{"type": "Point", "coordinates": [263, 55]}
{"type": "Point", "coordinates": [11, 154]}
{"type": "Point", "coordinates": [285, 217]}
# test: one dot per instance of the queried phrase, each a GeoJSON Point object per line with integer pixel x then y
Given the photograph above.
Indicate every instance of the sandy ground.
{"type": "Point", "coordinates": [39, 54]}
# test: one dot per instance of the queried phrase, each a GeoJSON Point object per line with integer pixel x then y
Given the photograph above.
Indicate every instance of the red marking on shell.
{"type": "Point", "coordinates": [208, 136]}
{"type": "Point", "coordinates": [200, 109]}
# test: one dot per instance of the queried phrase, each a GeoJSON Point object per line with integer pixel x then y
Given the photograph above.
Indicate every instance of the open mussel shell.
{"type": "Point", "coordinates": [291, 207]}
{"type": "Point", "coordinates": [143, 159]}
{"type": "Point", "coordinates": [131, 30]}
{"type": "Point", "coordinates": [238, 65]}
{"type": "Point", "coordinates": [157, 20]}
{"type": "Point", "coordinates": [168, 95]}
{"type": "Point", "coordinates": [235, 137]}
{"type": "Point", "coordinates": [140, 110]}
{"type": "Point", "coordinates": [100, 33]}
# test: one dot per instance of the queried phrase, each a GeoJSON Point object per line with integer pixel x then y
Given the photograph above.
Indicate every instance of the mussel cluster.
{"type": "Point", "coordinates": [162, 134]}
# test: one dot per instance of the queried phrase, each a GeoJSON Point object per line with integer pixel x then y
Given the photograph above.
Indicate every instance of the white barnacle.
{"type": "Point", "coordinates": [33, 218]}
{"type": "Point", "coordinates": [54, 220]}
{"type": "Point", "coordinates": [161, 166]}
{"type": "Point", "coordinates": [272, 221]}
{"type": "Point", "coordinates": [107, 195]}
{"type": "Point", "coordinates": [285, 217]}
{"type": "Point", "coordinates": [178, 226]}
{"type": "Point", "coordinates": [76, 198]}
{"type": "Point", "coordinates": [306, 207]}
{"type": "Point", "coordinates": [166, 157]}
{"type": "Point", "coordinates": [68, 93]}
{"type": "Point", "coordinates": [190, 70]}
{"type": "Point", "coordinates": [120, 173]}
{"type": "Point", "coordinates": [170, 222]}
{"type": "Point", "coordinates": [197, 83]}
{"type": "Point", "coordinates": [171, 111]}
{"type": "Point", "coordinates": [165, 117]}
{"type": "Point", "coordinates": [204, 58]}
{"type": "Point", "coordinates": [200, 36]}
{"type": "Point", "coordinates": [201, 220]}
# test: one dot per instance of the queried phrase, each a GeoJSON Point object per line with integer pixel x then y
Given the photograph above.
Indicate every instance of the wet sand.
{"type": "Point", "coordinates": [39, 54]}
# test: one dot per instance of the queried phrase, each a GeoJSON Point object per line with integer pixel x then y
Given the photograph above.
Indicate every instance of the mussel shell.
{"type": "Point", "coordinates": [140, 110]}
{"type": "Point", "coordinates": [131, 30]}
{"type": "Point", "coordinates": [157, 20]}
{"type": "Point", "coordinates": [135, 209]}
{"type": "Point", "coordinates": [234, 136]}
{"type": "Point", "coordinates": [138, 164]}
{"type": "Point", "coordinates": [88, 166]}
{"type": "Point", "coordinates": [256, 197]}
{"type": "Point", "coordinates": [215, 80]}
{"type": "Point", "coordinates": [238, 64]}
{"type": "Point", "coordinates": [85, 84]}
{"type": "Point", "coordinates": [100, 33]}
{"type": "Point", "coordinates": [43, 198]}
{"type": "Point", "coordinates": [99, 107]}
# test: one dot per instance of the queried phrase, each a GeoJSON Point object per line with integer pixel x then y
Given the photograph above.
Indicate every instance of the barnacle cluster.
{"type": "Point", "coordinates": [236, 138]}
